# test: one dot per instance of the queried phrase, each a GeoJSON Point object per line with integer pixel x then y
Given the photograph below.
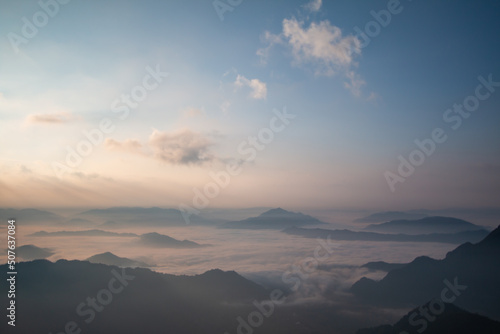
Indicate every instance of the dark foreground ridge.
{"type": "Point", "coordinates": [472, 271]}
{"type": "Point", "coordinates": [450, 319]}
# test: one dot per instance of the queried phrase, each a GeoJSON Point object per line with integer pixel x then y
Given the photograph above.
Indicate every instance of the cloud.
{"type": "Point", "coordinates": [54, 118]}
{"type": "Point", "coordinates": [259, 88]}
{"type": "Point", "coordinates": [314, 5]}
{"type": "Point", "coordinates": [319, 46]}
{"type": "Point", "coordinates": [183, 147]}
{"type": "Point", "coordinates": [354, 84]}
{"type": "Point", "coordinates": [180, 148]}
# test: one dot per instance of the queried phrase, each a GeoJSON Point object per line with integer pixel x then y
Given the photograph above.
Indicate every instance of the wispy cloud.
{"type": "Point", "coordinates": [258, 88]}
{"type": "Point", "coordinates": [321, 47]}
{"type": "Point", "coordinates": [183, 147]}
{"type": "Point", "coordinates": [54, 118]}
{"type": "Point", "coordinates": [354, 83]}
{"type": "Point", "coordinates": [314, 5]}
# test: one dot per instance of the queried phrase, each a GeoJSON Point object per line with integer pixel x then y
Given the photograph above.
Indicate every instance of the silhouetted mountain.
{"type": "Point", "coordinates": [386, 216]}
{"type": "Point", "coordinates": [383, 266]}
{"type": "Point", "coordinates": [449, 320]}
{"type": "Point", "coordinates": [86, 233]}
{"type": "Point", "coordinates": [159, 240]}
{"type": "Point", "coordinates": [153, 216]}
{"type": "Point", "coordinates": [425, 226]}
{"type": "Point", "coordinates": [32, 252]}
{"type": "Point", "coordinates": [274, 219]}
{"type": "Point", "coordinates": [101, 299]}
{"type": "Point", "coordinates": [129, 300]}
{"type": "Point", "coordinates": [347, 235]}
{"type": "Point", "coordinates": [476, 266]}
{"type": "Point", "coordinates": [113, 260]}
{"type": "Point", "coordinates": [30, 216]}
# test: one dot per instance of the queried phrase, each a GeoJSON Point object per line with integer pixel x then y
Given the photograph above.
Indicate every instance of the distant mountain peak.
{"type": "Point", "coordinates": [276, 218]}
{"type": "Point", "coordinates": [276, 211]}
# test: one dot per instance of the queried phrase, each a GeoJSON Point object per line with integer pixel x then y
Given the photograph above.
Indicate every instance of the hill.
{"type": "Point", "coordinates": [474, 266]}
{"type": "Point", "coordinates": [347, 235]}
{"type": "Point", "coordinates": [425, 226]}
{"type": "Point", "coordinates": [111, 259]}
{"type": "Point", "coordinates": [152, 216]}
{"type": "Point", "coordinates": [386, 216]}
{"type": "Point", "coordinates": [449, 319]}
{"type": "Point", "coordinates": [30, 216]}
{"type": "Point", "coordinates": [159, 240]}
{"type": "Point", "coordinates": [85, 233]}
{"type": "Point", "coordinates": [274, 219]}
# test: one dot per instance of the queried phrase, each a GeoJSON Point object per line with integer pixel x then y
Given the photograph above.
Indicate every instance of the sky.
{"type": "Point", "coordinates": [225, 104]}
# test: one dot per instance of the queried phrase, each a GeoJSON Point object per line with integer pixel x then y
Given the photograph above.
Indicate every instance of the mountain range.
{"type": "Point", "coordinates": [30, 216]}
{"type": "Point", "coordinates": [449, 319]}
{"type": "Point", "coordinates": [111, 259]}
{"type": "Point", "coordinates": [274, 219]}
{"type": "Point", "coordinates": [139, 216]}
{"type": "Point", "coordinates": [386, 216]}
{"type": "Point", "coordinates": [425, 226]}
{"type": "Point", "coordinates": [347, 235]}
{"type": "Point", "coordinates": [473, 268]}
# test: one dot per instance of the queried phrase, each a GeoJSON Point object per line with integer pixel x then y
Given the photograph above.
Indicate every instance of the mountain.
{"type": "Point", "coordinates": [159, 240]}
{"type": "Point", "coordinates": [86, 233]}
{"type": "Point", "coordinates": [30, 216]}
{"type": "Point", "coordinates": [386, 216]}
{"type": "Point", "coordinates": [32, 252]}
{"type": "Point", "coordinates": [113, 260]}
{"type": "Point", "coordinates": [425, 226]}
{"type": "Point", "coordinates": [473, 266]}
{"type": "Point", "coordinates": [95, 298]}
{"type": "Point", "coordinates": [153, 216]}
{"type": "Point", "coordinates": [274, 219]}
{"type": "Point", "coordinates": [450, 319]}
{"type": "Point", "coordinates": [347, 235]}
{"type": "Point", "coordinates": [382, 266]}
{"type": "Point", "coordinates": [128, 300]}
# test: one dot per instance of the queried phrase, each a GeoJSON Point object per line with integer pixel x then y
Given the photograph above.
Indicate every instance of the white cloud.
{"type": "Point", "coordinates": [259, 88]}
{"type": "Point", "coordinates": [183, 147]}
{"type": "Point", "coordinates": [320, 47]}
{"type": "Point", "coordinates": [54, 118]}
{"type": "Point", "coordinates": [314, 5]}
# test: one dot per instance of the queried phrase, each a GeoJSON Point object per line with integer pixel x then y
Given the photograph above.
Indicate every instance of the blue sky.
{"type": "Point", "coordinates": [357, 108]}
